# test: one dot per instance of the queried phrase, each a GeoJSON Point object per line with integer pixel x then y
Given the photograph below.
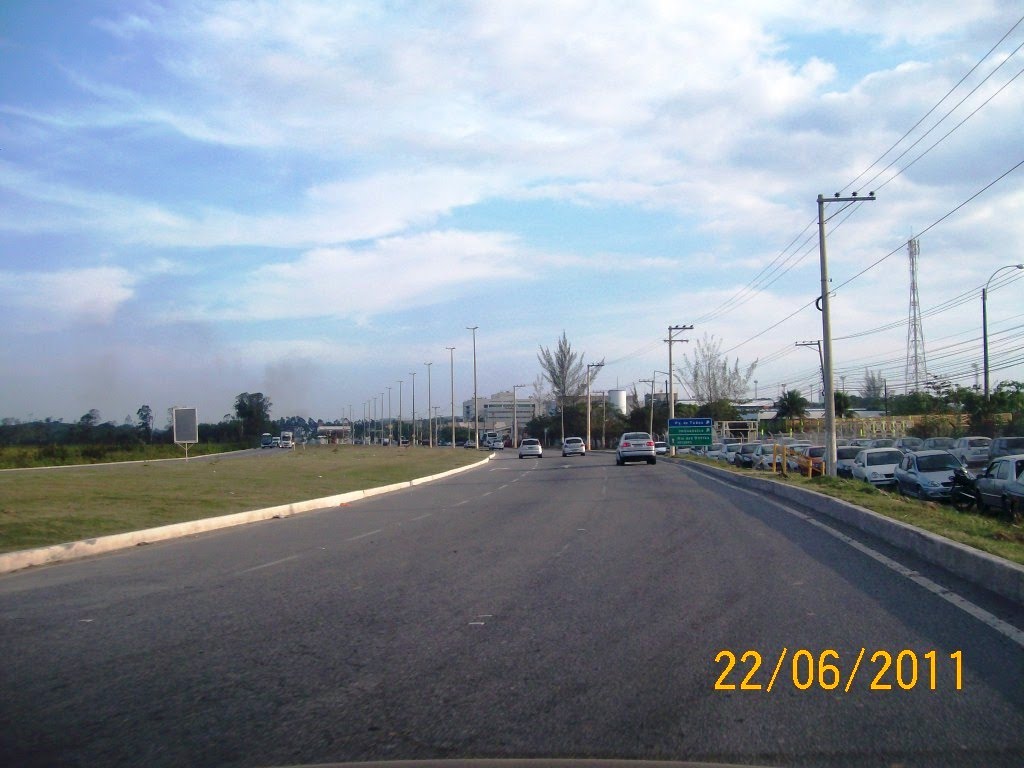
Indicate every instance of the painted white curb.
{"type": "Point", "coordinates": [15, 561]}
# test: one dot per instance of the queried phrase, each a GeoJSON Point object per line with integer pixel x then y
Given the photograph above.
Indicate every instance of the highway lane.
{"type": "Point", "coordinates": [554, 607]}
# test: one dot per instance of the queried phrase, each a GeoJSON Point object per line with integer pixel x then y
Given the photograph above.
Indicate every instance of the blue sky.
{"type": "Point", "coordinates": [313, 199]}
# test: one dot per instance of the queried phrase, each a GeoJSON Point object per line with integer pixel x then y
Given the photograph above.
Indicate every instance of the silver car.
{"type": "Point", "coordinates": [530, 446]}
{"type": "Point", "coordinates": [927, 474]}
{"type": "Point", "coordinates": [636, 446]}
{"type": "Point", "coordinates": [972, 450]}
{"type": "Point", "coordinates": [877, 465]}
{"type": "Point", "coordinates": [573, 446]}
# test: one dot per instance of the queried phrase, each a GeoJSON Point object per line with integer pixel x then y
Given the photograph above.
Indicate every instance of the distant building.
{"type": "Point", "coordinates": [496, 411]}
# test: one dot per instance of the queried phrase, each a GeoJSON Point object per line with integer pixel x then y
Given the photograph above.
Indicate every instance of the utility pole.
{"type": "Point", "coordinates": [672, 375]}
{"type": "Point", "coordinates": [826, 329]}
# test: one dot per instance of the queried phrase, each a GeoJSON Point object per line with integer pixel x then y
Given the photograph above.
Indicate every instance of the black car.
{"type": "Point", "coordinates": [744, 455]}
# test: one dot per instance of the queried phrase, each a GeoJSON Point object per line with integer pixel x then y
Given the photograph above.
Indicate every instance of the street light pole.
{"type": "Point", "coordinates": [399, 414]}
{"type": "Point", "coordinates": [651, 427]}
{"type": "Point", "coordinates": [476, 401]}
{"type": "Point", "coordinates": [391, 431]}
{"type": "Point", "coordinates": [430, 424]}
{"type": "Point", "coordinates": [515, 415]}
{"type": "Point", "coordinates": [826, 330]}
{"type": "Point", "coordinates": [589, 378]}
{"type": "Point", "coordinates": [412, 441]}
{"type": "Point", "coordinates": [984, 319]}
{"type": "Point", "coordinates": [451, 359]}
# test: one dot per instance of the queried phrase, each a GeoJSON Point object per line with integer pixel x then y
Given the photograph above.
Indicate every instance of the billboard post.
{"type": "Point", "coordinates": [186, 427]}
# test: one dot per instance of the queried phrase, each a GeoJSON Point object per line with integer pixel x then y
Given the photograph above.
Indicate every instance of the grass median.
{"type": "Point", "coordinates": [986, 532]}
{"type": "Point", "coordinates": [52, 506]}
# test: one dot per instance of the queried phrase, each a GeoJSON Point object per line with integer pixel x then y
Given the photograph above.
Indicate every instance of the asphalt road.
{"type": "Point", "coordinates": [553, 607]}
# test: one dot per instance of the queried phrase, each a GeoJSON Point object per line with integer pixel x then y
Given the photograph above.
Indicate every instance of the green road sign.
{"type": "Point", "coordinates": [680, 441]}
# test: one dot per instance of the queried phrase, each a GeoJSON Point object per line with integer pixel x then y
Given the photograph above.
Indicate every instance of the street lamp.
{"type": "Point", "coordinates": [430, 425]}
{"type": "Point", "coordinates": [645, 381]}
{"type": "Point", "coordinates": [984, 318]}
{"type": "Point", "coordinates": [476, 402]}
{"type": "Point", "coordinates": [391, 426]}
{"type": "Point", "coordinates": [412, 441]}
{"type": "Point", "coordinates": [589, 378]}
{"type": "Point", "coordinates": [399, 414]}
{"type": "Point", "coordinates": [451, 360]}
{"type": "Point", "coordinates": [515, 415]}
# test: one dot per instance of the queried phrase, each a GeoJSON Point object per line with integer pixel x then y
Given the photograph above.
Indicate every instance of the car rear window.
{"type": "Point", "coordinates": [636, 436]}
{"type": "Point", "coordinates": [884, 457]}
{"type": "Point", "coordinates": [979, 442]}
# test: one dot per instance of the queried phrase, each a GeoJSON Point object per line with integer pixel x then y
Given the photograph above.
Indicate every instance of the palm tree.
{"type": "Point", "coordinates": [791, 405]}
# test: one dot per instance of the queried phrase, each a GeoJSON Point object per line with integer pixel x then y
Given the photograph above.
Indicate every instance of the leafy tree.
{"type": "Point", "coordinates": [253, 411]}
{"type": "Point", "coordinates": [709, 375]}
{"type": "Point", "coordinates": [145, 423]}
{"type": "Point", "coordinates": [566, 371]}
{"type": "Point", "coordinates": [719, 410]}
{"type": "Point", "coordinates": [843, 404]}
{"type": "Point", "coordinates": [872, 390]}
{"type": "Point", "coordinates": [791, 405]}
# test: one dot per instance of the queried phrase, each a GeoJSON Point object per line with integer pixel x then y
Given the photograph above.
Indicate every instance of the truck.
{"type": "Point", "coordinates": [287, 440]}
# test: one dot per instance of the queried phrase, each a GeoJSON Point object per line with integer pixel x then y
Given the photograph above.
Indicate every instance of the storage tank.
{"type": "Point", "coordinates": [617, 398]}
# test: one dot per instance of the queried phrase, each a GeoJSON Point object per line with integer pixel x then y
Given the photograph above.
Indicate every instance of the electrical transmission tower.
{"type": "Point", "coordinates": [917, 367]}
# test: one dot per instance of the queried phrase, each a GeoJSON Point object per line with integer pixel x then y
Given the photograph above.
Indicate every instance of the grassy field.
{"type": "Point", "coordinates": [987, 532]}
{"type": "Point", "coordinates": [53, 506]}
{"type": "Point", "coordinates": [60, 455]}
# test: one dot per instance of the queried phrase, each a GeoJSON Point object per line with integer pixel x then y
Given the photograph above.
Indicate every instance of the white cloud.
{"type": "Point", "coordinates": [44, 300]}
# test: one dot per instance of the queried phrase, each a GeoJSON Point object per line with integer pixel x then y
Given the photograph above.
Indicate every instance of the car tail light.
{"type": "Point", "coordinates": [650, 443]}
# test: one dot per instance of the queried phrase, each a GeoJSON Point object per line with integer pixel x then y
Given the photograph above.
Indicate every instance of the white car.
{"type": "Point", "coordinates": [877, 465]}
{"type": "Point", "coordinates": [636, 446]}
{"type": "Point", "coordinates": [573, 446]}
{"type": "Point", "coordinates": [661, 447]}
{"type": "Point", "coordinates": [972, 450]}
{"type": "Point", "coordinates": [530, 446]}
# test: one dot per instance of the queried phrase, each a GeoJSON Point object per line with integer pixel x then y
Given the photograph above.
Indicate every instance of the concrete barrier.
{"type": "Point", "coordinates": [15, 561]}
{"type": "Point", "coordinates": [994, 573]}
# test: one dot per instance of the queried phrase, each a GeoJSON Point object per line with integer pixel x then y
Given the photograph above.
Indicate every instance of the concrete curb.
{"type": "Point", "coordinates": [996, 574]}
{"type": "Point", "coordinates": [74, 550]}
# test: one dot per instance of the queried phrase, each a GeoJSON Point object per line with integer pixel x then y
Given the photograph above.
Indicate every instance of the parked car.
{"type": "Point", "coordinates": [845, 455]}
{"type": "Point", "coordinates": [908, 444]}
{"type": "Point", "coordinates": [530, 446]}
{"type": "Point", "coordinates": [972, 450]}
{"type": "Point", "coordinates": [927, 474]}
{"type": "Point", "coordinates": [1015, 496]}
{"type": "Point", "coordinates": [876, 465]}
{"type": "Point", "coordinates": [714, 451]}
{"type": "Point", "coordinates": [635, 446]}
{"type": "Point", "coordinates": [573, 446]}
{"type": "Point", "coordinates": [1004, 446]}
{"type": "Point", "coordinates": [467, 444]}
{"type": "Point", "coordinates": [938, 443]}
{"type": "Point", "coordinates": [768, 457]}
{"type": "Point", "coordinates": [791, 453]}
{"type": "Point", "coordinates": [728, 452]}
{"type": "Point", "coordinates": [883, 442]}
{"type": "Point", "coordinates": [743, 456]}
{"type": "Point", "coordinates": [861, 442]}
{"type": "Point", "coordinates": [990, 485]}
{"type": "Point", "coordinates": [660, 447]}
{"type": "Point", "coordinates": [811, 460]}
